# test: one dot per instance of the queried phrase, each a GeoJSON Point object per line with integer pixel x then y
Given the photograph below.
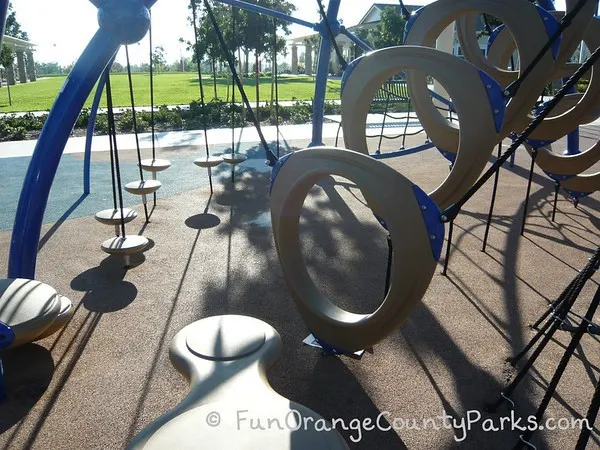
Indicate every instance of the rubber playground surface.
{"type": "Point", "coordinates": [107, 375]}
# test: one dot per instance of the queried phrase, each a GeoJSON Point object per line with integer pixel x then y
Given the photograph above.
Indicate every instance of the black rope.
{"type": "Point", "coordinates": [276, 80]}
{"type": "Point", "coordinates": [152, 91]}
{"type": "Point", "coordinates": [404, 11]}
{"type": "Point", "coordinates": [271, 158]}
{"type": "Point", "coordinates": [202, 102]}
{"type": "Point", "coordinates": [591, 415]}
{"type": "Point", "coordinates": [233, 96]}
{"type": "Point", "coordinates": [342, 61]}
{"type": "Point", "coordinates": [514, 87]}
{"type": "Point", "coordinates": [112, 132]}
{"type": "Point", "coordinates": [135, 127]}
{"type": "Point", "coordinates": [452, 211]}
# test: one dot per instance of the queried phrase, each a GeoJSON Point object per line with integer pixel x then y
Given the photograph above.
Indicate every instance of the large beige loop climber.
{"type": "Point", "coordinates": [565, 165]}
{"type": "Point", "coordinates": [574, 109]}
{"type": "Point", "coordinates": [527, 28]}
{"type": "Point", "coordinates": [392, 198]}
{"type": "Point", "coordinates": [584, 184]}
{"type": "Point", "coordinates": [478, 133]}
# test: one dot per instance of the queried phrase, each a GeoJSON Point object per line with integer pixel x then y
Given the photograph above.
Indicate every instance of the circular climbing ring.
{"type": "Point", "coordinates": [470, 89]}
{"type": "Point", "coordinates": [527, 27]}
{"type": "Point", "coordinates": [394, 199]}
{"type": "Point", "coordinates": [575, 109]}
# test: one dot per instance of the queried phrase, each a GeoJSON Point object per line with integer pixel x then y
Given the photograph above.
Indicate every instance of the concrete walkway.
{"type": "Point", "coordinates": [217, 136]}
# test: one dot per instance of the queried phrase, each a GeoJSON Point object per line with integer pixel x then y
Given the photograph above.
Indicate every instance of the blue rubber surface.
{"type": "Point", "coordinates": [67, 189]}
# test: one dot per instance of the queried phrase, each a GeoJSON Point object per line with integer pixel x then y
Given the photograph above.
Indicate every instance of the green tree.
{"type": "Point", "coordinates": [7, 57]}
{"type": "Point", "coordinates": [13, 27]}
{"type": "Point", "coordinates": [159, 61]}
{"type": "Point", "coordinates": [389, 32]}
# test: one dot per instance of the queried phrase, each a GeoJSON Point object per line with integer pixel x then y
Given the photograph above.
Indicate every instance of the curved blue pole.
{"type": "Point", "coordinates": [323, 72]}
{"type": "Point", "coordinates": [3, 15]}
{"type": "Point", "coordinates": [49, 149]}
{"type": "Point", "coordinates": [89, 135]}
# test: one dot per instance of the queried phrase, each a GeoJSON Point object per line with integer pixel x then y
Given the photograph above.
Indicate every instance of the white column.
{"type": "Point", "coordinates": [294, 59]}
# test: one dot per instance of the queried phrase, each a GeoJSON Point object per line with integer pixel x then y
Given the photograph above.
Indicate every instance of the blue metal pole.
{"type": "Point", "coordinates": [362, 44]}
{"type": "Point", "coordinates": [49, 149]}
{"type": "Point", "coordinates": [3, 14]}
{"type": "Point", "coordinates": [87, 160]}
{"type": "Point", "coordinates": [268, 12]}
{"type": "Point", "coordinates": [323, 71]}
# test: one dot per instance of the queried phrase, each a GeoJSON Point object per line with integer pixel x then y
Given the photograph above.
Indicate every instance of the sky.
{"type": "Point", "coordinates": [61, 29]}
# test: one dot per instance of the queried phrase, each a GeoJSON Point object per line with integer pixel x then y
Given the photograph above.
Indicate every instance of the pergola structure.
{"type": "Point", "coordinates": [25, 62]}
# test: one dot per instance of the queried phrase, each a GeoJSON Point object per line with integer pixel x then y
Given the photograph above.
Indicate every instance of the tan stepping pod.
{"type": "Point", "coordinates": [155, 165]}
{"type": "Point", "coordinates": [234, 159]}
{"type": "Point", "coordinates": [208, 162]}
{"type": "Point", "coordinates": [113, 216]}
{"type": "Point", "coordinates": [125, 246]}
{"type": "Point", "coordinates": [225, 360]}
{"type": "Point", "coordinates": [463, 81]}
{"type": "Point", "coordinates": [558, 164]}
{"type": "Point", "coordinates": [29, 307]}
{"type": "Point", "coordinates": [64, 315]}
{"type": "Point", "coordinates": [529, 32]}
{"type": "Point", "coordinates": [143, 187]}
{"type": "Point", "coordinates": [391, 197]}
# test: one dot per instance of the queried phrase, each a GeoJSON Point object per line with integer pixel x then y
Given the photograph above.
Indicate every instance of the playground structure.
{"type": "Point", "coordinates": [491, 103]}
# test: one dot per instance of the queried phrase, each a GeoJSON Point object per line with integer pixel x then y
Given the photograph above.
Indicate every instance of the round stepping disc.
{"type": "Point", "coordinates": [113, 216]}
{"type": "Point", "coordinates": [155, 165]}
{"type": "Point", "coordinates": [208, 161]}
{"type": "Point", "coordinates": [28, 307]}
{"type": "Point", "coordinates": [234, 159]}
{"type": "Point", "coordinates": [143, 187]}
{"type": "Point", "coordinates": [224, 338]}
{"type": "Point", "coordinates": [128, 245]}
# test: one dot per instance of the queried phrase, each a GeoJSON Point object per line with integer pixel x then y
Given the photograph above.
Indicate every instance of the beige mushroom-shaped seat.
{"type": "Point", "coordinates": [125, 246]}
{"type": "Point", "coordinates": [234, 158]}
{"type": "Point", "coordinates": [477, 99]}
{"type": "Point", "coordinates": [155, 165]}
{"type": "Point", "coordinates": [225, 359]}
{"type": "Point", "coordinates": [33, 310]}
{"type": "Point", "coordinates": [411, 218]}
{"type": "Point", "coordinates": [208, 162]}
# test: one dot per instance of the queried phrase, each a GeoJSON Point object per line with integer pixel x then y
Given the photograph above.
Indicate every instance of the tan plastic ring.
{"type": "Point", "coordinates": [569, 113]}
{"type": "Point", "coordinates": [584, 184]}
{"type": "Point", "coordinates": [391, 197]}
{"type": "Point", "coordinates": [565, 165]}
{"type": "Point", "coordinates": [462, 80]}
{"type": "Point", "coordinates": [528, 30]}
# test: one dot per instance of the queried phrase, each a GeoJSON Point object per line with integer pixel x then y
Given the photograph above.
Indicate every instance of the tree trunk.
{"type": "Point", "coordinates": [257, 75]}
{"type": "Point", "coordinates": [214, 71]}
{"type": "Point", "coordinates": [246, 66]}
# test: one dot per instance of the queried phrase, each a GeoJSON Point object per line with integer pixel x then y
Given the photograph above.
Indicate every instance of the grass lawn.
{"type": "Point", "coordinates": [169, 89]}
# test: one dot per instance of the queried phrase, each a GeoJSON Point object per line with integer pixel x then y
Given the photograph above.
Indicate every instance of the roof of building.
{"type": "Point", "coordinates": [17, 44]}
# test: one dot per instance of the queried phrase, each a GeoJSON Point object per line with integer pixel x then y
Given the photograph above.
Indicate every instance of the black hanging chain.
{"type": "Point", "coordinates": [111, 149]}
{"type": "Point", "coordinates": [201, 84]}
{"type": "Point", "coordinates": [275, 74]}
{"type": "Point", "coordinates": [271, 158]}
{"type": "Point", "coordinates": [341, 59]}
{"type": "Point", "coordinates": [135, 127]}
{"type": "Point", "coordinates": [152, 90]}
{"type": "Point", "coordinates": [566, 21]}
{"type": "Point", "coordinates": [451, 212]}
{"type": "Point", "coordinates": [112, 131]}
